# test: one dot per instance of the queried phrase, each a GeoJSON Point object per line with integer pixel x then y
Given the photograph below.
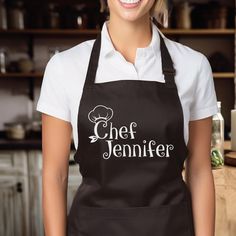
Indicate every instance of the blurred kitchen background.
{"type": "Point", "coordinates": [31, 31]}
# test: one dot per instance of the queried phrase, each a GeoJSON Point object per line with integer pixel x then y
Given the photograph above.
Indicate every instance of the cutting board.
{"type": "Point", "coordinates": [230, 158]}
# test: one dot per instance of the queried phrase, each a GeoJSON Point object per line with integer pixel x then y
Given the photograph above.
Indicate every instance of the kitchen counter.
{"type": "Point", "coordinates": [26, 144]}
{"type": "Point", "coordinates": [224, 178]}
{"type": "Point", "coordinates": [32, 142]}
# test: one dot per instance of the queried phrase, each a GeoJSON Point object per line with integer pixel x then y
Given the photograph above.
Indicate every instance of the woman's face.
{"type": "Point", "coordinates": [130, 10]}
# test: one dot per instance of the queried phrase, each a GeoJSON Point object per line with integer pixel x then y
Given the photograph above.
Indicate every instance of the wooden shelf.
{"type": "Point", "coordinates": [224, 75]}
{"type": "Point", "coordinates": [69, 32]}
{"type": "Point", "coordinates": [22, 75]}
{"type": "Point", "coordinates": [199, 31]}
{"type": "Point", "coordinates": [63, 32]}
{"type": "Point", "coordinates": [217, 75]}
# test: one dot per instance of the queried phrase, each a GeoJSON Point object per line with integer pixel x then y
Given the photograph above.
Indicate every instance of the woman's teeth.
{"type": "Point", "coordinates": [130, 1]}
{"type": "Point", "coordinates": [129, 4]}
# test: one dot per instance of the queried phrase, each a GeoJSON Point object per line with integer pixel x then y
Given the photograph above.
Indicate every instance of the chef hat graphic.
{"type": "Point", "coordinates": [100, 112]}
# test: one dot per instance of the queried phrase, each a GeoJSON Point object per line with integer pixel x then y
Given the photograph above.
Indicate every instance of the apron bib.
{"type": "Point", "coordinates": [131, 152]}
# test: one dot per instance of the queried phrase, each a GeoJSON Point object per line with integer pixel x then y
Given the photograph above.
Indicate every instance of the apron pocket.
{"type": "Point", "coordinates": [164, 220]}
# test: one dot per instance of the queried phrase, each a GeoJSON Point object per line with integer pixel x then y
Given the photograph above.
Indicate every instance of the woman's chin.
{"type": "Point", "coordinates": [130, 17]}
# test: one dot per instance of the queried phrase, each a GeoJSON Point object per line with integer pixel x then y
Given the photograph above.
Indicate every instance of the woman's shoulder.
{"type": "Point", "coordinates": [66, 69]}
{"type": "Point", "coordinates": [78, 53]}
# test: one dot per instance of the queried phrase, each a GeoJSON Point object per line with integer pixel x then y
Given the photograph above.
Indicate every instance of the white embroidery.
{"type": "Point", "coordinates": [100, 112]}
{"type": "Point", "coordinates": [100, 116]}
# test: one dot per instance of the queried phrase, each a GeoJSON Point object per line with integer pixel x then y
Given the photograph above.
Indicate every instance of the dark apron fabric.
{"type": "Point", "coordinates": [131, 151]}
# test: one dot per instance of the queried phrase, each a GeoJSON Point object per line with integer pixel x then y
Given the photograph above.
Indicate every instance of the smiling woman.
{"type": "Point", "coordinates": [131, 138]}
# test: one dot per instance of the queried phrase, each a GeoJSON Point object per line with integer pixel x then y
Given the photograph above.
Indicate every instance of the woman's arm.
{"type": "Point", "coordinates": [56, 141]}
{"type": "Point", "coordinates": [199, 176]}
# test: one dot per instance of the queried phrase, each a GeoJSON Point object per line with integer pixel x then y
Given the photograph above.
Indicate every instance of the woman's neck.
{"type": "Point", "coordinates": [127, 36]}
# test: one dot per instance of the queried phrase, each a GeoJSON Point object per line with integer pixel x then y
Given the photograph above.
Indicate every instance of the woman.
{"type": "Point", "coordinates": [140, 104]}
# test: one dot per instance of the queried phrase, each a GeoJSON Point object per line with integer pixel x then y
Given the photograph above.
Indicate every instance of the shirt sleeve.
{"type": "Point", "coordinates": [204, 101]}
{"type": "Point", "coordinates": [52, 99]}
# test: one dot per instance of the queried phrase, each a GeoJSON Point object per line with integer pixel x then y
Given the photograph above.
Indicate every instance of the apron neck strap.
{"type": "Point", "coordinates": [167, 63]}
{"type": "Point", "coordinates": [93, 61]}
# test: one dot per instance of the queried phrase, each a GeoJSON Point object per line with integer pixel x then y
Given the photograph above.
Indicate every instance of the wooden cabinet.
{"type": "Point", "coordinates": [14, 194]}
{"type": "Point", "coordinates": [21, 192]}
{"type": "Point", "coordinates": [35, 192]}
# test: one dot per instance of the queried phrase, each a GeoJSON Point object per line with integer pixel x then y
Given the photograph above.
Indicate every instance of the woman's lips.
{"type": "Point", "coordinates": [129, 3]}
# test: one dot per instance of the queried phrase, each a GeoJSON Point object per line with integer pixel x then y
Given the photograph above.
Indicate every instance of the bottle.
{"type": "Point", "coordinates": [217, 141]}
{"type": "Point", "coordinates": [3, 15]}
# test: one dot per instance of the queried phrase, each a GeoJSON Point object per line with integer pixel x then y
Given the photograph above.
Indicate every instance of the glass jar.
{"type": "Point", "coordinates": [80, 17]}
{"type": "Point", "coordinates": [15, 130]}
{"type": "Point", "coordinates": [53, 16]}
{"type": "Point", "coordinates": [3, 60]}
{"type": "Point", "coordinates": [217, 140]}
{"type": "Point", "coordinates": [3, 15]}
{"type": "Point", "coordinates": [183, 15]}
{"type": "Point", "coordinates": [17, 15]}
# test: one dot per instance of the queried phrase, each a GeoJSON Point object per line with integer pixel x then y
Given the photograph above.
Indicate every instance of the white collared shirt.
{"type": "Point", "coordinates": [65, 74]}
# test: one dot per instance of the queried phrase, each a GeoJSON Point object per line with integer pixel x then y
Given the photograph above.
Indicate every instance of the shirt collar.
{"type": "Point", "coordinates": [153, 48]}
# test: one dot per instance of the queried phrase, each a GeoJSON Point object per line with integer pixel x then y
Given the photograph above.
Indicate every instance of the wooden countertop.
{"type": "Point", "coordinates": [225, 187]}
